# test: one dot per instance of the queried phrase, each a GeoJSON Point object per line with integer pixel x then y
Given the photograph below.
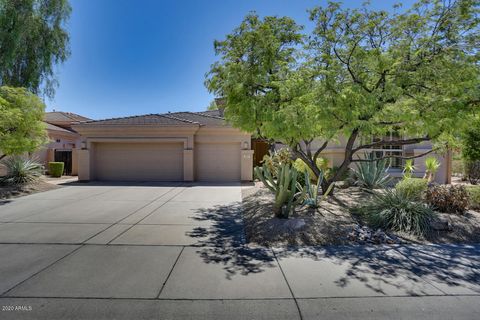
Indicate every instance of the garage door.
{"type": "Point", "coordinates": [217, 161]}
{"type": "Point", "coordinates": [138, 161]}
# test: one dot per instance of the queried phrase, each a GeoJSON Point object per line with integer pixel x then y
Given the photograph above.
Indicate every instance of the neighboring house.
{"type": "Point", "coordinates": [334, 153]}
{"type": "Point", "coordinates": [181, 146]}
{"type": "Point", "coordinates": [63, 140]}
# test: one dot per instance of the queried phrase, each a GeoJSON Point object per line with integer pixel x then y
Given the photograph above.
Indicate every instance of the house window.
{"type": "Point", "coordinates": [389, 150]}
{"type": "Point", "coordinates": [58, 140]}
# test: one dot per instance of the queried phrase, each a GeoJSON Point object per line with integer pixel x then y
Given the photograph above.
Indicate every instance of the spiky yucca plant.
{"type": "Point", "coordinates": [21, 170]}
{"type": "Point", "coordinates": [371, 174]}
{"type": "Point", "coordinates": [393, 210]}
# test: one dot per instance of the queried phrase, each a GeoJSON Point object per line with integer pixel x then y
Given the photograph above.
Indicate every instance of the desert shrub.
{"type": "Point", "coordinates": [449, 199]}
{"type": "Point", "coordinates": [274, 160]}
{"type": "Point", "coordinates": [414, 188]}
{"type": "Point", "coordinates": [471, 141]}
{"type": "Point", "coordinates": [472, 171]}
{"type": "Point", "coordinates": [371, 174]}
{"type": "Point", "coordinates": [393, 210]}
{"type": "Point", "coordinates": [55, 169]}
{"type": "Point", "coordinates": [302, 167]}
{"type": "Point", "coordinates": [474, 196]}
{"type": "Point", "coordinates": [21, 170]}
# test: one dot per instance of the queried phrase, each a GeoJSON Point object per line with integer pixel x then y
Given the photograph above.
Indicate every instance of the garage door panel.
{"type": "Point", "coordinates": [138, 161]}
{"type": "Point", "coordinates": [217, 161]}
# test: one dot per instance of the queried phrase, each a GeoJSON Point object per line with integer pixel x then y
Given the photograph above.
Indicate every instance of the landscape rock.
{"type": "Point", "coordinates": [440, 224]}
{"type": "Point", "coordinates": [364, 234]}
{"type": "Point", "coordinates": [295, 224]}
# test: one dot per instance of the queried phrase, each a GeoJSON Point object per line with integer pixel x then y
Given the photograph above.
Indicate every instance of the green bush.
{"type": "Point", "coordinates": [371, 174]}
{"type": "Point", "coordinates": [472, 171]}
{"type": "Point", "coordinates": [449, 199]}
{"type": "Point", "coordinates": [21, 170]}
{"type": "Point", "coordinates": [55, 169]}
{"type": "Point", "coordinates": [414, 188]}
{"type": "Point", "coordinates": [474, 195]}
{"type": "Point", "coordinates": [471, 142]}
{"type": "Point", "coordinates": [392, 210]}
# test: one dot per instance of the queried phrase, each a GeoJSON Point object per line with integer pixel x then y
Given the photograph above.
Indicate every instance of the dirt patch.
{"type": "Point", "coordinates": [7, 192]}
{"type": "Point", "coordinates": [332, 222]}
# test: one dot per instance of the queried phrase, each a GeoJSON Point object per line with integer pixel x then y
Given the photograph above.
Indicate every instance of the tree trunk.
{"type": "Point", "coordinates": [347, 160]}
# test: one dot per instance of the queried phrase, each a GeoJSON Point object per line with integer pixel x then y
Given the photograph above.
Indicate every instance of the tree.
{"type": "Point", "coordinates": [21, 126]}
{"type": "Point", "coordinates": [212, 106]}
{"type": "Point", "coordinates": [32, 41]}
{"type": "Point", "coordinates": [362, 73]}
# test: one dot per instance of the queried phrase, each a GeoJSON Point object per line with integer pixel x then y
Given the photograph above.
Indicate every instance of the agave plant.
{"type": "Point", "coordinates": [372, 174]}
{"type": "Point", "coordinates": [312, 198]}
{"type": "Point", "coordinates": [408, 169]}
{"type": "Point", "coordinates": [431, 166]}
{"type": "Point", "coordinates": [288, 192]}
{"type": "Point", "coordinates": [21, 170]}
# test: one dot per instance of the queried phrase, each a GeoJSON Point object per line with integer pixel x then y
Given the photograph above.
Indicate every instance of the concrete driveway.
{"type": "Point", "coordinates": [139, 251]}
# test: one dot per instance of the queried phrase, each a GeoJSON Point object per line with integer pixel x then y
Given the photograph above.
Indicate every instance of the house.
{"type": "Point", "coordinates": [334, 153]}
{"type": "Point", "coordinates": [64, 140]}
{"type": "Point", "coordinates": [180, 146]}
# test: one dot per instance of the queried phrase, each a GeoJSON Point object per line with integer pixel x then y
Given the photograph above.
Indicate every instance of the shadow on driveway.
{"type": "Point", "coordinates": [224, 241]}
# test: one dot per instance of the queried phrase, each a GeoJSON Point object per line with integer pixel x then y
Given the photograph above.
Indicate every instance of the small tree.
{"type": "Point", "coordinates": [362, 73]}
{"type": "Point", "coordinates": [21, 126]}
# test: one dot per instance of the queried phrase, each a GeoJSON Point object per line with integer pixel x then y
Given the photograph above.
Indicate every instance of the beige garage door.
{"type": "Point", "coordinates": [138, 161]}
{"type": "Point", "coordinates": [217, 161]}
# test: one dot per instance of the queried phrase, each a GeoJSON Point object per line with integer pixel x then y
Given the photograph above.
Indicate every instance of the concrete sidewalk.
{"type": "Point", "coordinates": [185, 282]}
{"type": "Point", "coordinates": [179, 252]}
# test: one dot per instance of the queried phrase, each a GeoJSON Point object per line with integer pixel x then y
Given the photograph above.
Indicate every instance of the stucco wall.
{"type": "Point", "coordinates": [192, 136]}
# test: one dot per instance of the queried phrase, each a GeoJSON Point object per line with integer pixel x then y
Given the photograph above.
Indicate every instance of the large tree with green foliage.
{"type": "Point", "coordinates": [21, 126]}
{"type": "Point", "coordinates": [33, 40]}
{"type": "Point", "coordinates": [361, 73]}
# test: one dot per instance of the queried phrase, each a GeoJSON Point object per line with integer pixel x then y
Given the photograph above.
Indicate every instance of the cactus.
{"type": "Point", "coordinates": [285, 188]}
{"type": "Point", "coordinates": [311, 191]}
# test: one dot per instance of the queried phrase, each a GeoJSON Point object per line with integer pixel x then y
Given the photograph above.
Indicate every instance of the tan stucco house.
{"type": "Point", "coordinates": [335, 152]}
{"type": "Point", "coordinates": [181, 146]}
{"type": "Point", "coordinates": [63, 140]}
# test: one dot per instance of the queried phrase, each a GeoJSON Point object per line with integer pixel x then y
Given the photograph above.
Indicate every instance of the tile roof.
{"type": "Point", "coordinates": [60, 116]}
{"type": "Point", "coordinates": [50, 126]}
{"type": "Point", "coordinates": [207, 118]}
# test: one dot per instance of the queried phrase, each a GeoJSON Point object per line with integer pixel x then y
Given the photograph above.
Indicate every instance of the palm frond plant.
{"type": "Point", "coordinates": [431, 166]}
{"type": "Point", "coordinates": [408, 169]}
{"type": "Point", "coordinates": [371, 173]}
{"type": "Point", "coordinates": [21, 170]}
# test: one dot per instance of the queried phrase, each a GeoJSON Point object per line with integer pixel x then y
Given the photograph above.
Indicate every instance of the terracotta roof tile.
{"type": "Point", "coordinates": [207, 118]}
{"type": "Point", "coordinates": [60, 116]}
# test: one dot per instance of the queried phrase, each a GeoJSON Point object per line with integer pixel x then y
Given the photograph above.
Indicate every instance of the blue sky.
{"type": "Point", "coordinates": [151, 56]}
